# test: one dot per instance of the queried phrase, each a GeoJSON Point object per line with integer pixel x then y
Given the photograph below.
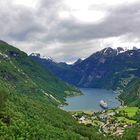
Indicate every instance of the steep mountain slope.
{"type": "Point", "coordinates": [108, 68]}
{"type": "Point", "coordinates": [17, 69]}
{"type": "Point", "coordinates": [131, 94]}
{"type": "Point", "coordinates": [62, 70]}
{"type": "Point", "coordinates": [29, 95]}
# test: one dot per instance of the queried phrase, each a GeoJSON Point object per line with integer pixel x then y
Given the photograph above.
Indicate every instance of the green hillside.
{"type": "Point", "coordinates": [29, 95]}
{"type": "Point", "coordinates": [131, 93]}
{"type": "Point", "coordinates": [27, 76]}
{"type": "Point", "coordinates": [34, 117]}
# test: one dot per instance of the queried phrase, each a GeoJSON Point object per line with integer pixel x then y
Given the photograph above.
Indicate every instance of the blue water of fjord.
{"type": "Point", "coordinates": [90, 100]}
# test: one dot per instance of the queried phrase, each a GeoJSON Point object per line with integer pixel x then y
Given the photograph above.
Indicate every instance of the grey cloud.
{"type": "Point", "coordinates": [40, 29]}
{"type": "Point", "coordinates": [17, 23]}
{"type": "Point", "coordinates": [121, 20]}
{"type": "Point", "coordinates": [72, 51]}
{"type": "Point", "coordinates": [23, 22]}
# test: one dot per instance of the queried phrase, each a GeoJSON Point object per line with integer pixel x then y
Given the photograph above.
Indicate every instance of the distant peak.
{"type": "Point", "coordinates": [35, 54]}
{"type": "Point", "coordinates": [135, 48]}
{"type": "Point", "coordinates": [107, 51]}
{"type": "Point", "coordinates": [78, 61]}
{"type": "Point", "coordinates": [120, 49]}
{"type": "Point", "coordinates": [41, 57]}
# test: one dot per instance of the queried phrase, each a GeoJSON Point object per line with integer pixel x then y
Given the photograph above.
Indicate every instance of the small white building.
{"type": "Point", "coordinates": [82, 119]}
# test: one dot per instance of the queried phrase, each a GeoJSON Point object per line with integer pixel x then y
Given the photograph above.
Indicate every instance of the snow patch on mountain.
{"type": "Point", "coordinates": [41, 57]}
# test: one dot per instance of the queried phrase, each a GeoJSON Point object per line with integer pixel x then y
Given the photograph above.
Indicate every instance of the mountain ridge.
{"type": "Point", "coordinates": [98, 69]}
{"type": "Point", "coordinates": [116, 69]}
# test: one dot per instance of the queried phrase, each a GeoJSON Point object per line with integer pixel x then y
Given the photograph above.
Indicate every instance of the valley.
{"type": "Point", "coordinates": [31, 93]}
{"type": "Point", "coordinates": [69, 70]}
{"type": "Point", "coordinates": [116, 69]}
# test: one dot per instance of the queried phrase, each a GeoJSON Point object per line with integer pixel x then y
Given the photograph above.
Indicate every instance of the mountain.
{"type": "Point", "coordinates": [131, 93]}
{"type": "Point", "coordinates": [62, 70]}
{"type": "Point", "coordinates": [78, 61]}
{"type": "Point", "coordinates": [108, 68]}
{"type": "Point", "coordinates": [17, 68]}
{"type": "Point", "coordinates": [29, 99]}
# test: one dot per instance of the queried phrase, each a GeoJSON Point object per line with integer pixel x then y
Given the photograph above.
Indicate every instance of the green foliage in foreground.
{"type": "Point", "coordinates": [3, 98]}
{"type": "Point", "coordinates": [35, 118]}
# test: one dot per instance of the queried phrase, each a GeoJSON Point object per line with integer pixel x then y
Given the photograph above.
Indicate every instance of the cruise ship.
{"type": "Point", "coordinates": [103, 104]}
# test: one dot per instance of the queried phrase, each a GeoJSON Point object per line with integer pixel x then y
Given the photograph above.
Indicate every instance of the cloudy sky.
{"type": "Point", "coordinates": [69, 29]}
